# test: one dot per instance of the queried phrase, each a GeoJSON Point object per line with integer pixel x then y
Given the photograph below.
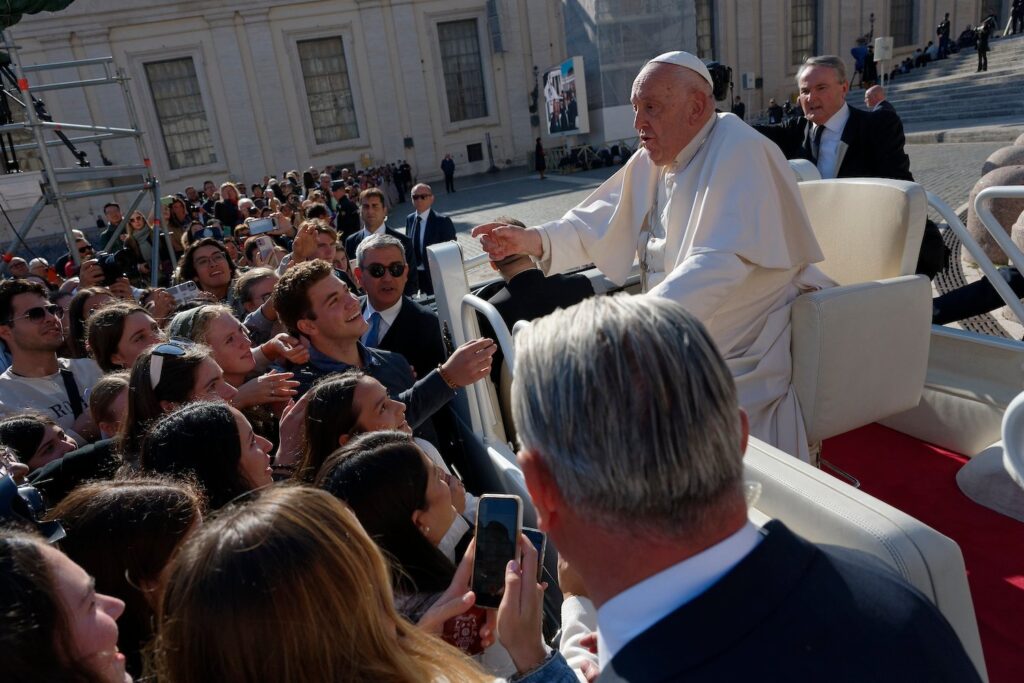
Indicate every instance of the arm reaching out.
{"type": "Point", "coordinates": [500, 240]}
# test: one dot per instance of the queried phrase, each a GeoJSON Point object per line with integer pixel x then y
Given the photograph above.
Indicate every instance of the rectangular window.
{"type": "Point", "coordinates": [901, 22]}
{"type": "Point", "coordinates": [463, 69]}
{"type": "Point", "coordinates": [804, 30]}
{"type": "Point", "coordinates": [180, 111]}
{"type": "Point", "coordinates": [328, 91]}
{"type": "Point", "coordinates": [705, 29]}
{"type": "Point", "coordinates": [475, 152]}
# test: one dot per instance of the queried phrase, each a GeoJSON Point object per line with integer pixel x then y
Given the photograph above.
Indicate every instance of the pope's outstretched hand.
{"type": "Point", "coordinates": [501, 240]}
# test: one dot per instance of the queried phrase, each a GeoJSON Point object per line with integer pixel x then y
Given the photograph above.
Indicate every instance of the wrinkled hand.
{"type": "Point", "coordinates": [273, 387]}
{"type": "Point", "coordinates": [569, 580]}
{"type": "Point", "coordinates": [90, 274]}
{"type": "Point", "coordinates": [122, 289]}
{"type": "Point", "coordinates": [470, 362]}
{"type": "Point", "coordinates": [291, 430]}
{"type": "Point", "coordinates": [501, 240]}
{"type": "Point", "coordinates": [284, 347]}
{"type": "Point", "coordinates": [520, 611]}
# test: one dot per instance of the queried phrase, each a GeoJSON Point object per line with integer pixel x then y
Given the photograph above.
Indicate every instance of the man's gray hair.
{"type": "Point", "coordinates": [378, 242]}
{"type": "Point", "coordinates": [632, 409]}
{"type": "Point", "coordinates": [824, 60]}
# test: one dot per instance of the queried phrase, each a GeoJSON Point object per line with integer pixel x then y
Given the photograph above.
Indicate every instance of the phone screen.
{"type": "Point", "coordinates": [261, 225]}
{"type": "Point", "coordinates": [498, 524]}
{"type": "Point", "coordinates": [540, 541]}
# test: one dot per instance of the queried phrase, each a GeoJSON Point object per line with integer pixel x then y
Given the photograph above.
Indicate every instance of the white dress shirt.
{"type": "Point", "coordinates": [830, 140]}
{"type": "Point", "coordinates": [387, 318]}
{"type": "Point", "coordinates": [642, 605]}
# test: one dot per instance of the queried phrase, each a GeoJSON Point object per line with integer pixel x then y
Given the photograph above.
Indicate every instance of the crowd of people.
{"type": "Point", "coordinates": [254, 474]}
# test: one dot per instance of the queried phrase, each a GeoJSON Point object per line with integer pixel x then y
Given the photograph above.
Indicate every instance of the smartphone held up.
{"type": "Point", "coordinates": [499, 524]}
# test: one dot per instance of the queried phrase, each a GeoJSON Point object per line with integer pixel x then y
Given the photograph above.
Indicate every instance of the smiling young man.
{"type": "Point", "coordinates": [396, 322]}
{"type": "Point", "coordinates": [31, 328]}
{"type": "Point", "coordinates": [311, 301]}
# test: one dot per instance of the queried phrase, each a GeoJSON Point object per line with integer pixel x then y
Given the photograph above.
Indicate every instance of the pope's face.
{"type": "Point", "coordinates": [660, 109]}
{"type": "Point", "coordinates": [821, 93]}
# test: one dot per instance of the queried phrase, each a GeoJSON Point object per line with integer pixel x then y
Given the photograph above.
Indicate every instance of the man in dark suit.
{"type": "Point", "coordinates": [396, 322]}
{"type": "Point", "coordinates": [649, 512]}
{"type": "Point", "coordinates": [374, 216]}
{"type": "Point", "coordinates": [424, 226]}
{"type": "Point", "coordinates": [527, 294]}
{"type": "Point", "coordinates": [841, 141]}
{"type": "Point", "coordinates": [844, 142]}
{"type": "Point", "coordinates": [346, 213]}
{"type": "Point", "coordinates": [874, 99]}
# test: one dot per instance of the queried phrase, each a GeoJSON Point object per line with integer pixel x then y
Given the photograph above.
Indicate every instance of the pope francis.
{"type": "Point", "coordinates": [711, 210]}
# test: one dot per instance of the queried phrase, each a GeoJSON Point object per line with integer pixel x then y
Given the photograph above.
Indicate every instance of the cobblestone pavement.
{"type": "Point", "coordinates": [947, 169]}
{"type": "Point", "coordinates": [950, 169]}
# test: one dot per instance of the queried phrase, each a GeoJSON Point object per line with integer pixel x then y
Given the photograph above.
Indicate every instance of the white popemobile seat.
{"type": "Point", "coordinates": [860, 350]}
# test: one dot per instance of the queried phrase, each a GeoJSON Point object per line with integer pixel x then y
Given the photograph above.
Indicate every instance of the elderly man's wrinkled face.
{"type": "Point", "coordinates": [821, 93]}
{"type": "Point", "coordinates": [663, 107]}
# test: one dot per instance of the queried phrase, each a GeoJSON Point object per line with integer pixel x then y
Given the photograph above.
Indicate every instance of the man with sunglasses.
{"type": "Point", "coordinates": [31, 328]}
{"type": "Point", "coordinates": [373, 211]}
{"type": "Point", "coordinates": [396, 322]}
{"type": "Point", "coordinates": [425, 227]}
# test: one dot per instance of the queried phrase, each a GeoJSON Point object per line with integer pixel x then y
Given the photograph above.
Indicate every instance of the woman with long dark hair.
{"type": "Point", "coordinates": [211, 443]}
{"type": "Point", "coordinates": [123, 533]}
{"type": "Point", "coordinates": [56, 627]}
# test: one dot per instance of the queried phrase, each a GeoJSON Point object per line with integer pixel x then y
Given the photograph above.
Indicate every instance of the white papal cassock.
{"type": "Point", "coordinates": [723, 231]}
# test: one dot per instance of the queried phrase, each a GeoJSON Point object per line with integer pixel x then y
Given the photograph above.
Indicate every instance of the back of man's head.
{"type": "Point", "coordinates": [633, 411]}
{"type": "Point", "coordinates": [516, 263]}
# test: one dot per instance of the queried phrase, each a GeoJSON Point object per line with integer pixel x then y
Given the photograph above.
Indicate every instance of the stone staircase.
{"type": "Point", "coordinates": [951, 89]}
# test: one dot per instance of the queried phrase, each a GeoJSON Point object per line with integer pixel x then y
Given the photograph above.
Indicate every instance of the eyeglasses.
{"type": "Point", "coordinates": [38, 313]}
{"type": "Point", "coordinates": [136, 218]}
{"type": "Point", "coordinates": [85, 250]}
{"type": "Point", "coordinates": [219, 257]}
{"type": "Point", "coordinates": [377, 270]}
{"type": "Point", "coordinates": [421, 196]}
{"type": "Point", "coordinates": [175, 348]}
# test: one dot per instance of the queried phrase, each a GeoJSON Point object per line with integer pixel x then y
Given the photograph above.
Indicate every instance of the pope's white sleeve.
{"type": "Point", "coordinates": [579, 619]}
{"type": "Point", "coordinates": [703, 280]}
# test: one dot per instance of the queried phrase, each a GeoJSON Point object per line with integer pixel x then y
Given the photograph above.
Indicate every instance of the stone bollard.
{"type": "Point", "coordinates": [1006, 211]}
{"type": "Point", "coordinates": [1004, 156]}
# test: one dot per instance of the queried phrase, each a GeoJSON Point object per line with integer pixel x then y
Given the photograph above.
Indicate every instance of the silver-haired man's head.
{"type": "Point", "coordinates": [378, 242]}
{"type": "Point", "coordinates": [632, 411]}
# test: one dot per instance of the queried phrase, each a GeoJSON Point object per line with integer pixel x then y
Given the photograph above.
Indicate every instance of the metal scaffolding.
{"type": "Point", "coordinates": [49, 135]}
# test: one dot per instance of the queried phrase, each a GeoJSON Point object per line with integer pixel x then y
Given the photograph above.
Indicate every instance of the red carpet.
{"type": "Point", "coordinates": [920, 479]}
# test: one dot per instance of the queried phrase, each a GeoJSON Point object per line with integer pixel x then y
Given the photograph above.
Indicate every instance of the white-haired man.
{"type": "Point", "coordinates": [691, 590]}
{"type": "Point", "coordinates": [714, 214]}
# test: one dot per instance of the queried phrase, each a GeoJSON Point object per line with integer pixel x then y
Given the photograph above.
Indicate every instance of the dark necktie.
{"type": "Point", "coordinates": [418, 244]}
{"type": "Point", "coordinates": [816, 145]}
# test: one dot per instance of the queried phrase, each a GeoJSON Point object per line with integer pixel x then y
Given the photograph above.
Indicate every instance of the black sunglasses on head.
{"type": "Point", "coordinates": [377, 270]}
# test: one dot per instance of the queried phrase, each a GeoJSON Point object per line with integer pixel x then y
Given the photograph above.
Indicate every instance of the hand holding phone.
{"type": "Point", "coordinates": [520, 614]}
{"type": "Point", "coordinates": [499, 525]}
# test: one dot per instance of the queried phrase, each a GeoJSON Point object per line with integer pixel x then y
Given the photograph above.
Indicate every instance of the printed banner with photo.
{"type": "Point", "coordinates": [565, 98]}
